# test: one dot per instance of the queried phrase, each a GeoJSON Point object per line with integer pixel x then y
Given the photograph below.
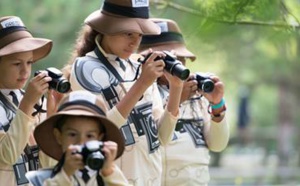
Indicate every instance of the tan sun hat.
{"type": "Point", "coordinates": [170, 39]}
{"type": "Point", "coordinates": [118, 16]}
{"type": "Point", "coordinates": [77, 103]}
{"type": "Point", "coordinates": [15, 38]}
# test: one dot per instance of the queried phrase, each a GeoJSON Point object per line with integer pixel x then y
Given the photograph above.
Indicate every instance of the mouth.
{"type": "Point", "coordinates": [22, 79]}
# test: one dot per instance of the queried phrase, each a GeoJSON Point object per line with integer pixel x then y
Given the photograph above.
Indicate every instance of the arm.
{"type": "Point", "coordinates": [168, 120]}
{"type": "Point", "coordinates": [13, 142]}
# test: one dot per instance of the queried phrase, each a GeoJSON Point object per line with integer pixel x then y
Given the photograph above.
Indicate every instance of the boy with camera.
{"type": "Point", "coordinates": [18, 116]}
{"type": "Point", "coordinates": [202, 125]}
{"type": "Point", "coordinates": [84, 142]}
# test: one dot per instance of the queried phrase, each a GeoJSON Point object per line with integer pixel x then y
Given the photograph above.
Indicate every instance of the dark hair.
{"type": "Point", "coordinates": [84, 43]}
{"type": "Point", "coordinates": [62, 120]}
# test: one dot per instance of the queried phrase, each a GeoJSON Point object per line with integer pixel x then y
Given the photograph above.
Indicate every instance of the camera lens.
{"type": "Point", "coordinates": [207, 86]}
{"type": "Point", "coordinates": [95, 160]}
{"type": "Point", "coordinates": [177, 69]}
{"type": "Point", "coordinates": [63, 86]}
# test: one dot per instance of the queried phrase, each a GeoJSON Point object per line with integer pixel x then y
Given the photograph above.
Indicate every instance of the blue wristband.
{"type": "Point", "coordinates": [219, 105]}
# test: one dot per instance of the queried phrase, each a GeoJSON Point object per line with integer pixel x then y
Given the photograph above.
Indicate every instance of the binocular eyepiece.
{"type": "Point", "coordinates": [172, 65]}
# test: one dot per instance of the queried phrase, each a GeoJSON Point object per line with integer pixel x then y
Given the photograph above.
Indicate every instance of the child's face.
{"type": "Point", "coordinates": [122, 45]}
{"type": "Point", "coordinates": [77, 130]}
{"type": "Point", "coordinates": [15, 70]}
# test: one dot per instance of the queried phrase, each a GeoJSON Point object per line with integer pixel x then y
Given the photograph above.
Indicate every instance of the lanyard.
{"type": "Point", "coordinates": [109, 66]}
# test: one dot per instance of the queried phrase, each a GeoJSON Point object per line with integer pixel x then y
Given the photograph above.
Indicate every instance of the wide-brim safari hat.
{"type": "Point", "coordinates": [15, 38]}
{"type": "Point", "coordinates": [117, 16]}
{"type": "Point", "coordinates": [77, 103]}
{"type": "Point", "coordinates": [170, 39]}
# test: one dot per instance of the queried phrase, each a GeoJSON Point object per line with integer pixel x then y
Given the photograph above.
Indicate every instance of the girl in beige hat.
{"type": "Point", "coordinates": [186, 157]}
{"type": "Point", "coordinates": [18, 51]}
{"type": "Point", "coordinates": [103, 64]}
{"type": "Point", "coordinates": [83, 140]}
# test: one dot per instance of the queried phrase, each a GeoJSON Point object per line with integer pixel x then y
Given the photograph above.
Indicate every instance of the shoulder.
{"type": "Point", "coordinates": [38, 177]}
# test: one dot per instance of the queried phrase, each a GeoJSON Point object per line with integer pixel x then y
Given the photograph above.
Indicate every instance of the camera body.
{"type": "Point", "coordinates": [58, 82]}
{"type": "Point", "coordinates": [92, 154]}
{"type": "Point", "coordinates": [172, 65]}
{"type": "Point", "coordinates": [205, 83]}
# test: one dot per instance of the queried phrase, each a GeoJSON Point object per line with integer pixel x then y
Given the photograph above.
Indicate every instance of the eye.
{"type": "Point", "coordinates": [71, 134]}
{"type": "Point", "coordinates": [30, 62]}
{"type": "Point", "coordinates": [17, 64]}
{"type": "Point", "coordinates": [91, 136]}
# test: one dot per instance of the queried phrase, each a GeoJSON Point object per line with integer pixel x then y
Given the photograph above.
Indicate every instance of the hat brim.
{"type": "Point", "coordinates": [40, 47]}
{"type": "Point", "coordinates": [109, 24]}
{"type": "Point", "coordinates": [179, 49]}
{"type": "Point", "coordinates": [45, 138]}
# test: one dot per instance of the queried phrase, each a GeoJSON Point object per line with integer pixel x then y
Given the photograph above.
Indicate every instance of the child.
{"type": "Point", "coordinates": [80, 119]}
{"type": "Point", "coordinates": [103, 64]}
{"type": "Point", "coordinates": [18, 51]}
{"type": "Point", "coordinates": [186, 157]}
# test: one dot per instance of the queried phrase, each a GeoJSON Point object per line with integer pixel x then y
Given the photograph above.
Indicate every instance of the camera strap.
{"type": "Point", "coordinates": [109, 66]}
{"type": "Point", "coordinates": [39, 108]}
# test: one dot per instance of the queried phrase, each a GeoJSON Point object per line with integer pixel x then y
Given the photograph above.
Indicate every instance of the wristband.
{"type": "Point", "coordinates": [219, 105]}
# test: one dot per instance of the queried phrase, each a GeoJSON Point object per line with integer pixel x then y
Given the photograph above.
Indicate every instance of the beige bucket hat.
{"type": "Point", "coordinates": [15, 38]}
{"type": "Point", "coordinates": [118, 16]}
{"type": "Point", "coordinates": [170, 39]}
{"type": "Point", "coordinates": [77, 103]}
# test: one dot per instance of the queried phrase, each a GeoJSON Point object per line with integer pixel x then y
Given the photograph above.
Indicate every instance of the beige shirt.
{"type": "Point", "coordinates": [61, 179]}
{"type": "Point", "coordinates": [186, 158]}
{"type": "Point", "coordinates": [13, 142]}
{"type": "Point", "coordinates": [140, 164]}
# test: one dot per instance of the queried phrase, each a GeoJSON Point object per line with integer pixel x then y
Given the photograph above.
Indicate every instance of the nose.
{"type": "Point", "coordinates": [82, 139]}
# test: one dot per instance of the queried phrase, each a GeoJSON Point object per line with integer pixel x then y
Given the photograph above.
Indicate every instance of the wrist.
{"type": "Point", "coordinates": [218, 105]}
{"type": "Point", "coordinates": [107, 171]}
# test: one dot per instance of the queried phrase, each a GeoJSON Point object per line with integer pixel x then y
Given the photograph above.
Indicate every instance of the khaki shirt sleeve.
{"type": "Point", "coordinates": [115, 116]}
{"type": "Point", "coordinates": [117, 178]}
{"type": "Point", "coordinates": [167, 124]}
{"type": "Point", "coordinates": [217, 136]}
{"type": "Point", "coordinates": [13, 142]}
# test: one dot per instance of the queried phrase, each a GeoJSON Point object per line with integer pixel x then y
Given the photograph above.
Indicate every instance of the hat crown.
{"type": "Point", "coordinates": [83, 100]}
{"type": "Point", "coordinates": [129, 3]}
{"type": "Point", "coordinates": [10, 21]}
{"type": "Point", "coordinates": [126, 8]}
{"type": "Point", "coordinates": [167, 25]}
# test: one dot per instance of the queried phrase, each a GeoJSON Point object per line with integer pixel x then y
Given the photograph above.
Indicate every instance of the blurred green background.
{"type": "Point", "coordinates": [252, 45]}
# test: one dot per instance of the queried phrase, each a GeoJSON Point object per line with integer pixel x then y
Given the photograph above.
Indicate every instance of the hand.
{"type": "Point", "coordinates": [190, 88]}
{"type": "Point", "coordinates": [53, 99]}
{"type": "Point", "coordinates": [36, 88]}
{"type": "Point", "coordinates": [73, 161]}
{"type": "Point", "coordinates": [110, 150]}
{"type": "Point", "coordinates": [173, 80]}
{"type": "Point", "coordinates": [152, 69]}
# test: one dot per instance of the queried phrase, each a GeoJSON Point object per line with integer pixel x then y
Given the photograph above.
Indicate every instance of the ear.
{"type": "Point", "coordinates": [57, 135]}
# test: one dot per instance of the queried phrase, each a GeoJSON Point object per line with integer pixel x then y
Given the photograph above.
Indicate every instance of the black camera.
{"type": "Point", "coordinates": [92, 154]}
{"type": "Point", "coordinates": [205, 83]}
{"type": "Point", "coordinates": [172, 65]}
{"type": "Point", "coordinates": [58, 82]}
